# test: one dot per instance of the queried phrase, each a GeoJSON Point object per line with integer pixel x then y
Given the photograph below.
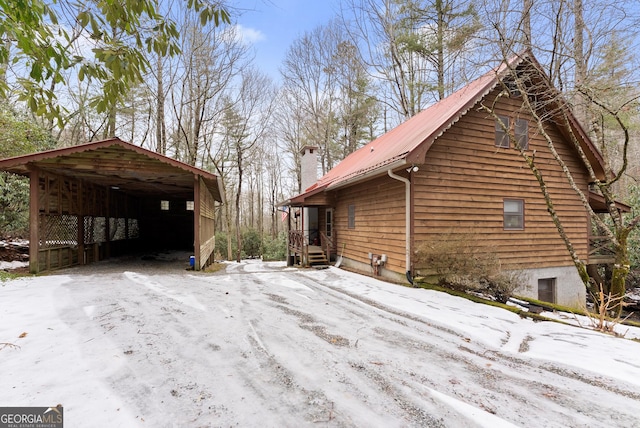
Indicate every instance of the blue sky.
{"type": "Point", "coordinates": [272, 25]}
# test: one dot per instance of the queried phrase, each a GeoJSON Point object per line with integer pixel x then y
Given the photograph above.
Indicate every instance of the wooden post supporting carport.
{"type": "Point", "coordinates": [196, 221]}
{"type": "Point", "coordinates": [107, 226]}
{"type": "Point", "coordinates": [80, 239]}
{"type": "Point", "coordinates": [34, 214]}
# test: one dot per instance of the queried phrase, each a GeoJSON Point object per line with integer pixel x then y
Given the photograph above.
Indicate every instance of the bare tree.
{"type": "Point", "coordinates": [547, 105]}
{"type": "Point", "coordinates": [275, 185]}
{"type": "Point", "coordinates": [161, 95]}
{"type": "Point", "coordinates": [289, 123]}
{"type": "Point", "coordinates": [212, 57]}
{"type": "Point", "coordinates": [377, 28]}
{"type": "Point", "coordinates": [416, 48]}
{"type": "Point", "coordinates": [246, 120]}
{"type": "Point", "coordinates": [441, 31]}
{"type": "Point", "coordinates": [308, 74]}
{"type": "Point", "coordinates": [357, 105]}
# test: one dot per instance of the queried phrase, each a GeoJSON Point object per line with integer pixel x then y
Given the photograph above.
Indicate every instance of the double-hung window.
{"type": "Point", "coordinates": [522, 133]}
{"type": "Point", "coordinates": [513, 214]}
{"type": "Point", "coordinates": [502, 136]}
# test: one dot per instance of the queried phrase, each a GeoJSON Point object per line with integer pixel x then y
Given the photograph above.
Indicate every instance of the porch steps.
{"type": "Point", "coordinates": [317, 257]}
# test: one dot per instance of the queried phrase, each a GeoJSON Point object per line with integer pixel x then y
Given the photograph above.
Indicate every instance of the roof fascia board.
{"type": "Point", "coordinates": [379, 171]}
{"type": "Point", "coordinates": [418, 155]}
{"type": "Point", "coordinates": [51, 154]}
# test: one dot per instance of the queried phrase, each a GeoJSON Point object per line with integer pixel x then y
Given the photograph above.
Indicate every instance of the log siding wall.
{"type": "Point", "coordinates": [461, 187]}
{"type": "Point", "coordinates": [379, 222]}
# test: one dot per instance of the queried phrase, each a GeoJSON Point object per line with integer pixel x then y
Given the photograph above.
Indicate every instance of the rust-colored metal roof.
{"type": "Point", "coordinates": [116, 163]}
{"type": "Point", "coordinates": [410, 141]}
{"type": "Point", "coordinates": [404, 139]}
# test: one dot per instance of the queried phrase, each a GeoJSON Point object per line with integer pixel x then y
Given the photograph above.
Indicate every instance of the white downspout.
{"type": "Point", "coordinates": [407, 212]}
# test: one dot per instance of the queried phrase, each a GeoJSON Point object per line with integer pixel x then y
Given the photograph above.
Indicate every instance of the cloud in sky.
{"type": "Point", "coordinates": [249, 35]}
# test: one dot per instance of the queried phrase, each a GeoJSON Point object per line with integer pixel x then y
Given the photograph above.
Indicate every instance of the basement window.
{"type": "Point", "coordinates": [164, 205]}
{"type": "Point", "coordinates": [513, 214]}
{"type": "Point", "coordinates": [547, 290]}
{"type": "Point", "coordinates": [190, 206]}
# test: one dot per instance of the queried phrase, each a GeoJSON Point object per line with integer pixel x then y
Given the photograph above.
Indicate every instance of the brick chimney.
{"type": "Point", "coordinates": [308, 167]}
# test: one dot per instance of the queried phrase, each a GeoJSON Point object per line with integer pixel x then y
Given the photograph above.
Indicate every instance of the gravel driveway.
{"type": "Point", "coordinates": [264, 345]}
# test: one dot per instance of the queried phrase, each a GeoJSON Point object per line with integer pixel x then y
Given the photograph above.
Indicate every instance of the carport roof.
{"type": "Point", "coordinates": [117, 164]}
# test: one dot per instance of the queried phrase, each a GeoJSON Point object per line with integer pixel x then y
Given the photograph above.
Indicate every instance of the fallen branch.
{"type": "Point", "coordinates": [8, 345]}
{"type": "Point", "coordinates": [142, 332]}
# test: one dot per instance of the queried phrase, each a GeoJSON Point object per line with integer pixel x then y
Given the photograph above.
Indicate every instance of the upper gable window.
{"type": "Point", "coordinates": [520, 129]}
{"type": "Point", "coordinates": [502, 138]}
{"type": "Point", "coordinates": [522, 133]}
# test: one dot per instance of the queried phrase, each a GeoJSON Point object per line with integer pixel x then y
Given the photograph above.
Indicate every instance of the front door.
{"type": "Point", "coordinates": [311, 225]}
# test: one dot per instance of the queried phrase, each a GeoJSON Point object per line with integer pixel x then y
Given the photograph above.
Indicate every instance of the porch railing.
{"type": "Point", "coordinates": [327, 244]}
{"type": "Point", "coordinates": [601, 250]}
{"type": "Point", "coordinates": [298, 245]}
{"type": "Point", "coordinates": [297, 241]}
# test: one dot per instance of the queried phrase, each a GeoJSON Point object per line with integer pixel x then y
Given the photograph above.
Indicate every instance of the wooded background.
{"type": "Point", "coordinates": [176, 77]}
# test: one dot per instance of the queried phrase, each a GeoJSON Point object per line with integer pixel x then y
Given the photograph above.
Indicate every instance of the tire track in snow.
{"type": "Point", "coordinates": [502, 373]}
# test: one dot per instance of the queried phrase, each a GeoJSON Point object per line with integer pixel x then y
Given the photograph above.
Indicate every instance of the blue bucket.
{"type": "Point", "coordinates": [192, 261]}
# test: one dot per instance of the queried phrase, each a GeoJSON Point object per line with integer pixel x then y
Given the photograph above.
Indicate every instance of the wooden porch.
{"type": "Point", "coordinates": [301, 253]}
{"type": "Point", "coordinates": [601, 251]}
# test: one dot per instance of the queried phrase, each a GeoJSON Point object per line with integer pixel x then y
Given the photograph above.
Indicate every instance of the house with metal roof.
{"type": "Point", "coordinates": [110, 197]}
{"type": "Point", "coordinates": [448, 171]}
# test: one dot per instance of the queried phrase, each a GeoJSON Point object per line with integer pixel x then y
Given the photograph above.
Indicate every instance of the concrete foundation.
{"type": "Point", "coordinates": [385, 274]}
{"type": "Point", "coordinates": [568, 291]}
{"type": "Point", "coordinates": [568, 288]}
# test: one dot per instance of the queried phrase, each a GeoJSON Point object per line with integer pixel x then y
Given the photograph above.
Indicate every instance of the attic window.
{"type": "Point", "coordinates": [502, 138]}
{"type": "Point", "coordinates": [514, 92]}
{"type": "Point", "coordinates": [522, 133]}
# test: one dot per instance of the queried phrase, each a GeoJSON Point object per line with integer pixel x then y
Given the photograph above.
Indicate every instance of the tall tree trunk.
{"type": "Point", "coordinates": [227, 209]}
{"type": "Point", "coordinates": [621, 269]}
{"type": "Point", "coordinates": [238, 231]}
{"type": "Point", "coordinates": [581, 65]}
{"type": "Point", "coordinates": [526, 23]}
{"type": "Point", "coordinates": [110, 127]}
{"type": "Point", "coordinates": [440, 66]}
{"type": "Point", "coordinates": [4, 65]}
{"type": "Point", "coordinates": [161, 127]}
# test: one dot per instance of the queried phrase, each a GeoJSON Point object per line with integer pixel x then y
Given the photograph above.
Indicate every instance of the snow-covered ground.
{"type": "Point", "coordinates": [147, 343]}
{"type": "Point", "coordinates": [12, 265]}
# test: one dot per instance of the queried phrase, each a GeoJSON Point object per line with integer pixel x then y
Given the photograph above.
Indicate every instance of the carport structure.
{"type": "Point", "coordinates": [107, 198]}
